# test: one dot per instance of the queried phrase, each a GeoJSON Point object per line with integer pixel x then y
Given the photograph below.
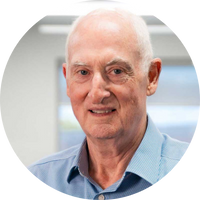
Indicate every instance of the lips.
{"type": "Point", "coordinates": [102, 111]}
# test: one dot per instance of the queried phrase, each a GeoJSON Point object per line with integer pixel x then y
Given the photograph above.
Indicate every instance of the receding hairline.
{"type": "Point", "coordinates": [137, 25]}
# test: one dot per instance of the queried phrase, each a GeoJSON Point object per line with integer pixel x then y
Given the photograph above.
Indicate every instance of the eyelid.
{"type": "Point", "coordinates": [112, 68]}
{"type": "Point", "coordinates": [80, 68]}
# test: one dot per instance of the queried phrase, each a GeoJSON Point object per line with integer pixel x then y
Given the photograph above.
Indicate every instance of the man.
{"type": "Point", "coordinates": [109, 72]}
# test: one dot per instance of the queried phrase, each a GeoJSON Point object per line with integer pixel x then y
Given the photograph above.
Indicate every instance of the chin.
{"type": "Point", "coordinates": [103, 132]}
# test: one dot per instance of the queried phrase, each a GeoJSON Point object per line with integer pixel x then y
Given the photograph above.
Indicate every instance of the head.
{"type": "Point", "coordinates": [109, 72]}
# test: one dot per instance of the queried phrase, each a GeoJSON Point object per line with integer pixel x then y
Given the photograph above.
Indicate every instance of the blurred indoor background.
{"type": "Point", "coordinates": [36, 111]}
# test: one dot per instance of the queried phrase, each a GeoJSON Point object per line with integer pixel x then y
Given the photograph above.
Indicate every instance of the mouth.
{"type": "Point", "coordinates": [102, 111]}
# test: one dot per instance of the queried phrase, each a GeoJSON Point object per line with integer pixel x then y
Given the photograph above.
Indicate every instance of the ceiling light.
{"type": "Point", "coordinates": [54, 29]}
{"type": "Point", "coordinates": [64, 29]}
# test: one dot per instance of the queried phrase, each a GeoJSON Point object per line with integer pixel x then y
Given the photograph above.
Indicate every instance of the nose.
{"type": "Point", "coordinates": [99, 89]}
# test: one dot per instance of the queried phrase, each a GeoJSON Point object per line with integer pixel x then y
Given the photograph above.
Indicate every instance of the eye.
{"type": "Point", "coordinates": [117, 71]}
{"type": "Point", "coordinates": [83, 72]}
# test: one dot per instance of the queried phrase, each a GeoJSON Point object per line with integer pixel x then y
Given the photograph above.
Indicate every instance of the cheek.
{"type": "Point", "coordinates": [133, 107]}
{"type": "Point", "coordinates": [77, 97]}
{"type": "Point", "coordinates": [77, 92]}
{"type": "Point", "coordinates": [132, 98]}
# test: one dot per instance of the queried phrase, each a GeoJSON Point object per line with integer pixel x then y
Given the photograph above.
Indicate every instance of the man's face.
{"type": "Point", "coordinates": [105, 83]}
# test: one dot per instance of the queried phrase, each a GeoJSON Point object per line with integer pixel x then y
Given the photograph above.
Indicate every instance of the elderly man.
{"type": "Point", "coordinates": [109, 72]}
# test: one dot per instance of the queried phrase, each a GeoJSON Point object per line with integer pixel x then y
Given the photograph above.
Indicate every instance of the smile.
{"type": "Point", "coordinates": [101, 111]}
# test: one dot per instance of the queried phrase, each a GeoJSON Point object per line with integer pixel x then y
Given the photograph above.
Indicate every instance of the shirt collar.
{"type": "Point", "coordinates": [80, 162]}
{"type": "Point", "coordinates": [145, 162]}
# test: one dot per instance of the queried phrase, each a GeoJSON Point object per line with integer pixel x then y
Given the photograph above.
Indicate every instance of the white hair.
{"type": "Point", "coordinates": [139, 26]}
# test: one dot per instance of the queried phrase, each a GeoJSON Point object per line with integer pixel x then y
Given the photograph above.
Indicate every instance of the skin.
{"type": "Point", "coordinates": [104, 73]}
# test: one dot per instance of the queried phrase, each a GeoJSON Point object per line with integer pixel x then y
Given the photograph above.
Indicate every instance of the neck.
{"type": "Point", "coordinates": [109, 158]}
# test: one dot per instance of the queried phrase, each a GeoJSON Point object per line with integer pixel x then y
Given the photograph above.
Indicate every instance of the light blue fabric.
{"type": "Point", "coordinates": [67, 171]}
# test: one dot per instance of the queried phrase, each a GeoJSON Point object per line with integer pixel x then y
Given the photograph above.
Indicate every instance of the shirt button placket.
{"type": "Point", "coordinates": [101, 197]}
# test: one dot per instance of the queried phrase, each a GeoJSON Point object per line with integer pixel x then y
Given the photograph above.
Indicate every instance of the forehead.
{"type": "Point", "coordinates": [102, 39]}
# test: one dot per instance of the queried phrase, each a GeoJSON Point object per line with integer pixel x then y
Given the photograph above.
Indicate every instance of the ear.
{"type": "Point", "coordinates": [153, 76]}
{"type": "Point", "coordinates": [64, 68]}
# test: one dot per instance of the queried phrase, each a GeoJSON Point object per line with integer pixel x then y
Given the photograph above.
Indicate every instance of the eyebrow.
{"type": "Point", "coordinates": [78, 63]}
{"type": "Point", "coordinates": [120, 61]}
{"type": "Point", "coordinates": [114, 61]}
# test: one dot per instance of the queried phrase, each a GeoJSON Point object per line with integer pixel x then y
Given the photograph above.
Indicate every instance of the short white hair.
{"type": "Point", "coordinates": [138, 25]}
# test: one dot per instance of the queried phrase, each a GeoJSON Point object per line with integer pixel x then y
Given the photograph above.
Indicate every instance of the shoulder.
{"type": "Point", "coordinates": [62, 155]}
{"type": "Point", "coordinates": [67, 156]}
{"type": "Point", "coordinates": [172, 148]}
{"type": "Point", "coordinates": [172, 152]}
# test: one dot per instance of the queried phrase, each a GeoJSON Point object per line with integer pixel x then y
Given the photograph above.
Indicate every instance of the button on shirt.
{"type": "Point", "coordinates": [67, 171]}
{"type": "Point", "coordinates": [101, 197]}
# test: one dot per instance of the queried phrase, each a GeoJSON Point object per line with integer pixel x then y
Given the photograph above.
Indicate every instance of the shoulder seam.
{"type": "Point", "coordinates": [42, 163]}
{"type": "Point", "coordinates": [170, 157]}
{"type": "Point", "coordinates": [53, 160]}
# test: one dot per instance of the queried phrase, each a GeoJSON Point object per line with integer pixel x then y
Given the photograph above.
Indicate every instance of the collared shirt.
{"type": "Point", "coordinates": [67, 171]}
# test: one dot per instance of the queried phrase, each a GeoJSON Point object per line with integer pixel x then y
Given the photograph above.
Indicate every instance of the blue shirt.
{"type": "Point", "coordinates": [67, 171]}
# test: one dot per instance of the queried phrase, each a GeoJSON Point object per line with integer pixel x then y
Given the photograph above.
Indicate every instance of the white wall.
{"type": "Point", "coordinates": [29, 95]}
